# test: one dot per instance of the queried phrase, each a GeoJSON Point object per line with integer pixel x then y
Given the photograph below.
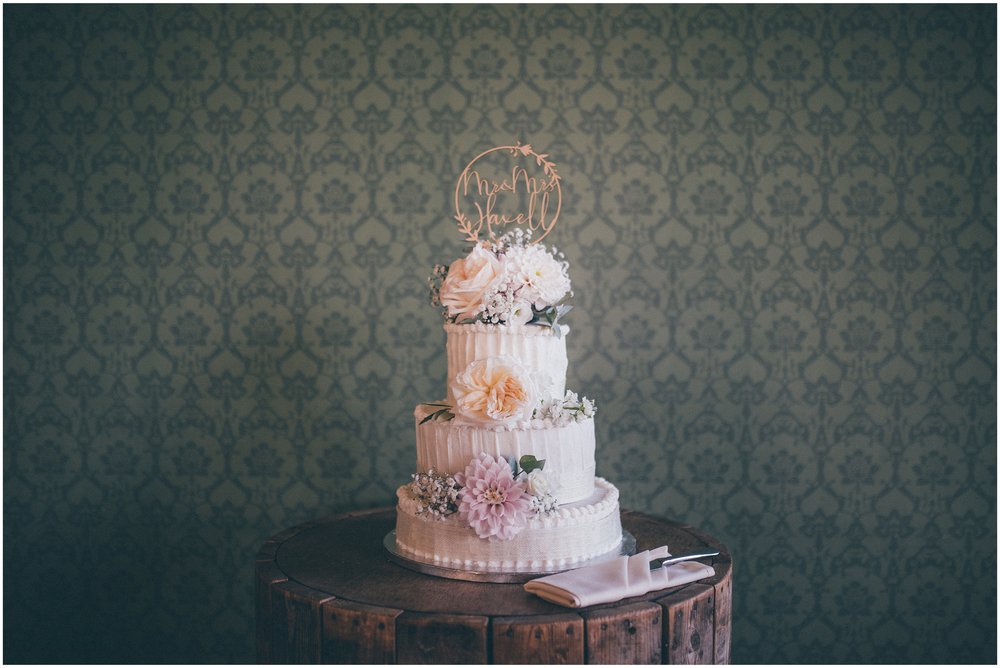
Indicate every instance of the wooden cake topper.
{"type": "Point", "coordinates": [520, 197]}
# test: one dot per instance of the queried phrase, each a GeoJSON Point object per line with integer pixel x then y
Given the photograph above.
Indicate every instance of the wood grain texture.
{"type": "Point", "coordinates": [689, 632]}
{"type": "Point", "coordinates": [423, 638]}
{"type": "Point", "coordinates": [723, 619]}
{"type": "Point", "coordinates": [326, 592]}
{"type": "Point", "coordinates": [358, 633]}
{"type": "Point", "coordinates": [296, 623]}
{"type": "Point", "coordinates": [626, 634]}
{"type": "Point", "coordinates": [549, 639]}
{"type": "Point", "coordinates": [267, 574]}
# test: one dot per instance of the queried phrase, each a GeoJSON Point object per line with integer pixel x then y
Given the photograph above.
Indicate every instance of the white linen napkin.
{"type": "Point", "coordinates": [614, 580]}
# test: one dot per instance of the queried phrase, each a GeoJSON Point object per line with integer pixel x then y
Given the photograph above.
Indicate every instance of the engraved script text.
{"type": "Point", "coordinates": [537, 190]}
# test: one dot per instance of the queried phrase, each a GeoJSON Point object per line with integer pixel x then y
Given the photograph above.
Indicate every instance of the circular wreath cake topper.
{"type": "Point", "coordinates": [488, 199]}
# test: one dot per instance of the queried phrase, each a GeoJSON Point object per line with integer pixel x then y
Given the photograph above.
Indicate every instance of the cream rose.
{"type": "Point", "coordinates": [468, 281]}
{"type": "Point", "coordinates": [537, 483]}
{"type": "Point", "coordinates": [494, 390]}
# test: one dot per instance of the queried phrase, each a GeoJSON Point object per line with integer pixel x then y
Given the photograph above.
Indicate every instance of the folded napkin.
{"type": "Point", "coordinates": [616, 579]}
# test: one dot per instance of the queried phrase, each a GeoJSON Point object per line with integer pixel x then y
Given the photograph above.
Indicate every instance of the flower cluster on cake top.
{"type": "Point", "coordinates": [494, 496]}
{"type": "Point", "coordinates": [507, 282]}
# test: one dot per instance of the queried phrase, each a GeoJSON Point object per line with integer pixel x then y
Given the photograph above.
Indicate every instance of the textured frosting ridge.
{"type": "Point", "coordinates": [506, 399]}
{"type": "Point", "coordinates": [537, 348]}
{"type": "Point", "coordinates": [568, 536]}
{"type": "Point", "coordinates": [568, 450]}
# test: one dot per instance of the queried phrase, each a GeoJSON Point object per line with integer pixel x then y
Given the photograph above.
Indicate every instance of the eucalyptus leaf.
{"type": "Point", "coordinates": [513, 466]}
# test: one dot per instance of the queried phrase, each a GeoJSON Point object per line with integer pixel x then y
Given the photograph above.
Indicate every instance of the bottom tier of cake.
{"type": "Point", "coordinates": [564, 538]}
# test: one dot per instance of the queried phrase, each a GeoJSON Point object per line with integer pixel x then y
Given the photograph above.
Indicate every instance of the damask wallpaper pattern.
{"type": "Point", "coordinates": [781, 225]}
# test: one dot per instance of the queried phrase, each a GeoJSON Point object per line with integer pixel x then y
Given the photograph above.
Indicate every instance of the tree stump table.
{"type": "Point", "coordinates": [327, 593]}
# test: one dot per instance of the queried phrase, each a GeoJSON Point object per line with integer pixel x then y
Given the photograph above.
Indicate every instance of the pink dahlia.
{"type": "Point", "coordinates": [491, 501]}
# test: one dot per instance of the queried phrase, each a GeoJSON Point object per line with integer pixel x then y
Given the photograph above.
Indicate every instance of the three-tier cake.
{"type": "Point", "coordinates": [506, 460]}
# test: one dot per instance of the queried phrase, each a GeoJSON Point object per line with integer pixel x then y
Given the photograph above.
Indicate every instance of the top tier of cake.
{"type": "Point", "coordinates": [538, 349]}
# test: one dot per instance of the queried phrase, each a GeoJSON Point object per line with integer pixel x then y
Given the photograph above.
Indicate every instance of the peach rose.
{"type": "Point", "coordinates": [468, 281]}
{"type": "Point", "coordinates": [494, 390]}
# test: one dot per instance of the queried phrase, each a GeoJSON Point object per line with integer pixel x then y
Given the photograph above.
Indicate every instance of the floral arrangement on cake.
{"type": "Point", "coordinates": [481, 403]}
{"type": "Point", "coordinates": [509, 281]}
{"type": "Point", "coordinates": [494, 496]}
{"type": "Point", "coordinates": [495, 390]}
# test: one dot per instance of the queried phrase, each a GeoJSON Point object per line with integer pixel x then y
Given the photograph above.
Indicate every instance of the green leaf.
{"type": "Point", "coordinates": [550, 316]}
{"type": "Point", "coordinates": [434, 404]}
{"type": "Point", "coordinates": [529, 463]}
{"type": "Point", "coordinates": [560, 311]}
{"type": "Point", "coordinates": [512, 463]}
{"type": "Point", "coordinates": [436, 413]}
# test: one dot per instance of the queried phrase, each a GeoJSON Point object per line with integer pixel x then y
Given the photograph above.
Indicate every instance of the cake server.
{"type": "Point", "coordinates": [666, 561]}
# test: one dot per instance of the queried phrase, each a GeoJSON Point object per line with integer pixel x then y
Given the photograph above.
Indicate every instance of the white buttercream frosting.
{"type": "Point", "coordinates": [568, 449]}
{"type": "Point", "coordinates": [561, 539]}
{"type": "Point", "coordinates": [535, 347]}
{"type": "Point", "coordinates": [585, 524]}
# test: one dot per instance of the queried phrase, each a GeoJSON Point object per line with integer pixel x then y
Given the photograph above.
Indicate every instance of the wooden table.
{"type": "Point", "coordinates": [326, 593]}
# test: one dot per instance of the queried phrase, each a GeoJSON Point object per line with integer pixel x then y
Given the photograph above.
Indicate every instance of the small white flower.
{"type": "Point", "coordinates": [544, 504]}
{"type": "Point", "coordinates": [560, 412]}
{"type": "Point", "coordinates": [537, 483]}
{"type": "Point", "coordinates": [520, 313]}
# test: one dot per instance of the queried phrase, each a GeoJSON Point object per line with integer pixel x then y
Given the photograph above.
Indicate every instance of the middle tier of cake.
{"type": "Point", "coordinates": [568, 449]}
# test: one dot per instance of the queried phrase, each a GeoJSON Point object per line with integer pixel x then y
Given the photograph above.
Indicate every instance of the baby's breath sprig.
{"type": "Point", "coordinates": [518, 236]}
{"type": "Point", "coordinates": [544, 504]}
{"type": "Point", "coordinates": [435, 493]}
{"type": "Point", "coordinates": [570, 408]}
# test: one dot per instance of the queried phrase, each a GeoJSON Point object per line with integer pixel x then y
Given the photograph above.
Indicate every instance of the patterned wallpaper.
{"type": "Point", "coordinates": [781, 223]}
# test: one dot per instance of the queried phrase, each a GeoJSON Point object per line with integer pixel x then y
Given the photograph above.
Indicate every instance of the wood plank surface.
{"type": "Point", "coordinates": [423, 638]}
{"type": "Point", "coordinates": [266, 574]}
{"type": "Point", "coordinates": [358, 633]}
{"type": "Point", "coordinates": [548, 639]}
{"type": "Point", "coordinates": [364, 574]}
{"type": "Point", "coordinates": [268, 551]}
{"type": "Point", "coordinates": [296, 623]}
{"type": "Point", "coordinates": [689, 632]}
{"type": "Point", "coordinates": [723, 619]}
{"type": "Point", "coordinates": [626, 634]}
{"type": "Point", "coordinates": [327, 592]}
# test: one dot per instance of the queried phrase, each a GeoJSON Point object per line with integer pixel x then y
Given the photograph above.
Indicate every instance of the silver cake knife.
{"type": "Point", "coordinates": [666, 561]}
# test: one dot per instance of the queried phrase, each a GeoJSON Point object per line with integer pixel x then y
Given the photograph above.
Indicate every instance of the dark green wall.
{"type": "Point", "coordinates": [218, 222]}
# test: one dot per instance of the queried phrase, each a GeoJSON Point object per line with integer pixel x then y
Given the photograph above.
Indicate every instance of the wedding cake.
{"type": "Point", "coordinates": [505, 478]}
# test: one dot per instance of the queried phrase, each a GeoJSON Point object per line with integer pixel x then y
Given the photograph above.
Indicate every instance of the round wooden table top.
{"type": "Point", "coordinates": [339, 563]}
